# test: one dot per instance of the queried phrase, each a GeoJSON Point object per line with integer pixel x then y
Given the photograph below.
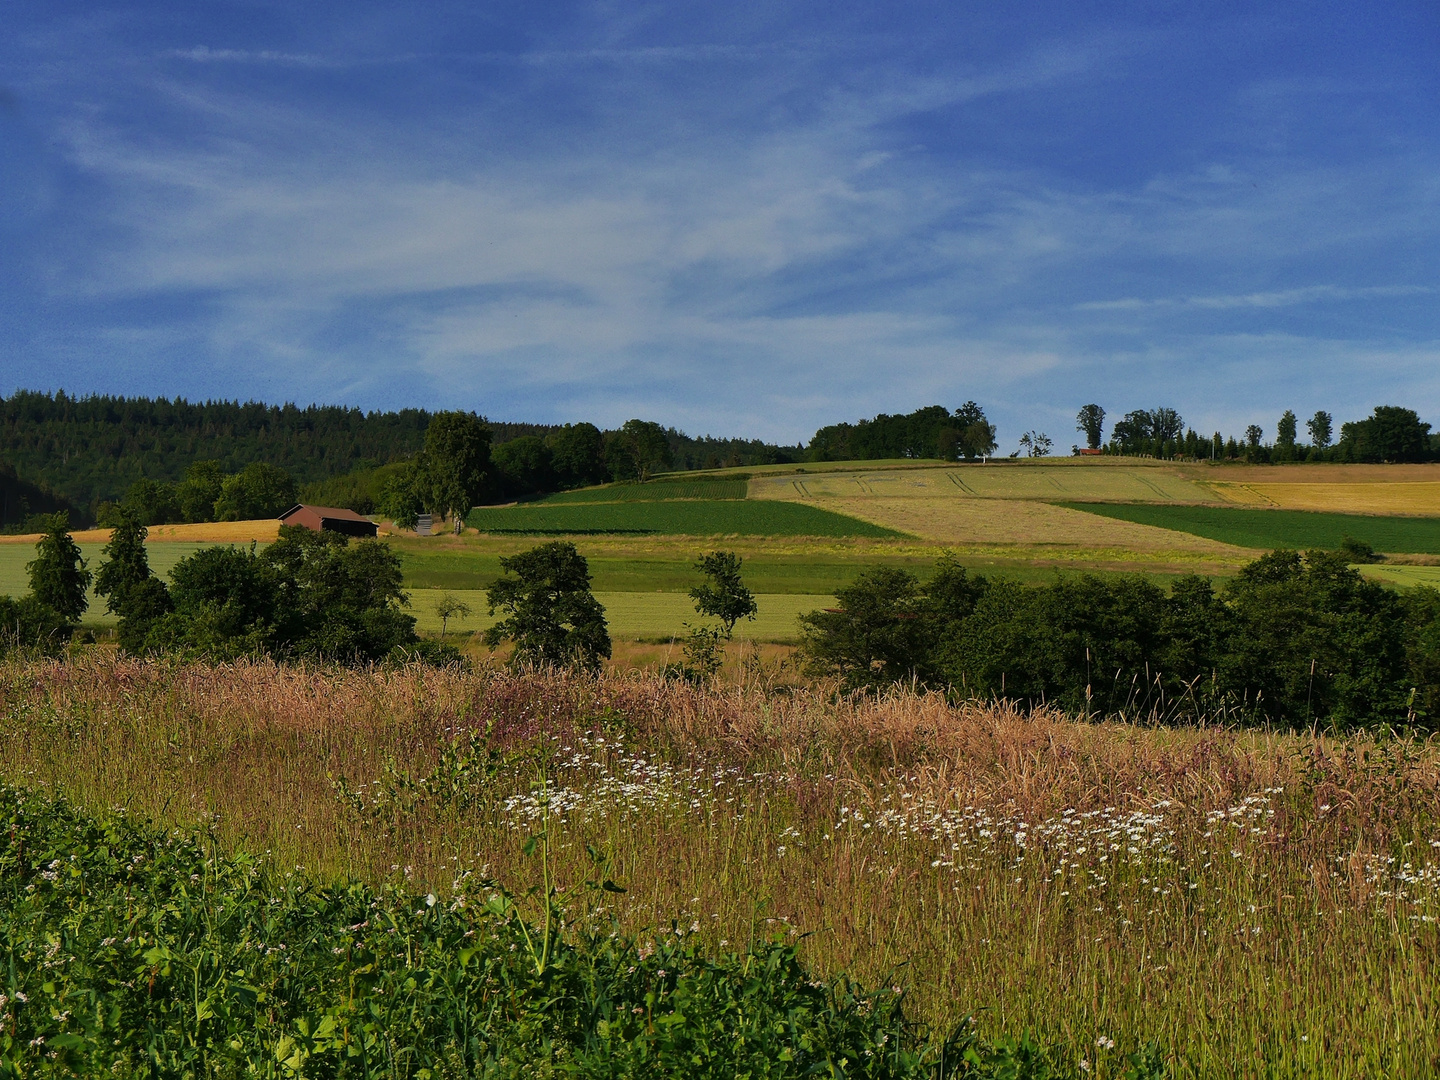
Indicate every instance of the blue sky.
{"type": "Point", "coordinates": [747, 219]}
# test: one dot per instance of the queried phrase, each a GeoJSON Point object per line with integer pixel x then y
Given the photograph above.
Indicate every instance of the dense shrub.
{"type": "Point", "coordinates": [308, 595]}
{"type": "Point", "coordinates": [1292, 639]}
{"type": "Point", "coordinates": [28, 624]}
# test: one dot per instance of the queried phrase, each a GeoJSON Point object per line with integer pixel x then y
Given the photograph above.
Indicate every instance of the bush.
{"type": "Point", "coordinates": [315, 595]}
{"type": "Point", "coordinates": [140, 952]}
{"type": "Point", "coordinates": [1293, 639]}
{"type": "Point", "coordinates": [29, 624]}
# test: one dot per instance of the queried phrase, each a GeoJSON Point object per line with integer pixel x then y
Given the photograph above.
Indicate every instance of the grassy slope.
{"type": "Point", "coordinates": [1280, 528]}
{"type": "Point", "coordinates": [694, 518]}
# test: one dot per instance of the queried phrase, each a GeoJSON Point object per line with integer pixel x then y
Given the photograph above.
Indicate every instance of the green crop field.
{"type": "Point", "coordinates": [1280, 528]}
{"type": "Point", "coordinates": [718, 517]}
{"type": "Point", "coordinates": [654, 491]}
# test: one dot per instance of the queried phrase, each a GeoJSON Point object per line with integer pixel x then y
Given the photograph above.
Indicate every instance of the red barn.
{"type": "Point", "coordinates": [333, 519]}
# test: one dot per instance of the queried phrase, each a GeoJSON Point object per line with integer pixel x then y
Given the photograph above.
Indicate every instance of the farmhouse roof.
{"type": "Point", "coordinates": [332, 518]}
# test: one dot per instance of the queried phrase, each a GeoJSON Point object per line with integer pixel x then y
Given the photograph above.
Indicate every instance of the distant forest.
{"type": "Point", "coordinates": [58, 451]}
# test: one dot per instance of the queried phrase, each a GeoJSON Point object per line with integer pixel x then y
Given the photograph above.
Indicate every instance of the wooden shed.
{"type": "Point", "coordinates": [333, 519]}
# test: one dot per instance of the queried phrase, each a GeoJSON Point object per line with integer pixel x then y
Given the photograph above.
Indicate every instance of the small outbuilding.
{"type": "Point", "coordinates": [329, 519]}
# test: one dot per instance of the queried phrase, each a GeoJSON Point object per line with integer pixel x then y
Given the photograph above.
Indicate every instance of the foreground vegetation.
{"type": "Point", "coordinates": [140, 953]}
{"type": "Point", "coordinates": [1251, 903]}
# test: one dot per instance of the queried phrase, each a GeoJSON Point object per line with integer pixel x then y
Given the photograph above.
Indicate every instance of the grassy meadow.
{"type": "Point", "coordinates": [640, 616]}
{"type": "Point", "coordinates": [1242, 903]}
{"type": "Point", "coordinates": [1249, 902]}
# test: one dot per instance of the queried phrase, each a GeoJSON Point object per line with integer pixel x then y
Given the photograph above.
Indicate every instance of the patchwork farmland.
{"type": "Point", "coordinates": [806, 532]}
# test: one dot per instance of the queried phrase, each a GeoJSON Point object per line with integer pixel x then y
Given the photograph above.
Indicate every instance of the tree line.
{"type": "Point", "coordinates": [931, 432]}
{"type": "Point", "coordinates": [1292, 639]}
{"type": "Point", "coordinates": [1390, 433]}
{"type": "Point", "coordinates": [326, 597]}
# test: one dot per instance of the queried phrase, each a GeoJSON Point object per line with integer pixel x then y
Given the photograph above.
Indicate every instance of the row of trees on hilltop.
{"type": "Point", "coordinates": [931, 432]}
{"type": "Point", "coordinates": [1390, 434]}
{"type": "Point", "coordinates": [172, 461]}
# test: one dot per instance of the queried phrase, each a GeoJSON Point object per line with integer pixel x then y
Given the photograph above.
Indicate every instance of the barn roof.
{"type": "Point", "coordinates": [334, 513]}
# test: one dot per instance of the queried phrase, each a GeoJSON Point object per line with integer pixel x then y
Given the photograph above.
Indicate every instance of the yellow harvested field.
{"type": "Point", "coordinates": [1406, 497]}
{"type": "Point", "coordinates": [1080, 483]}
{"type": "Point", "coordinates": [216, 532]}
{"type": "Point", "coordinates": [970, 523]}
{"type": "Point", "coordinates": [1323, 473]}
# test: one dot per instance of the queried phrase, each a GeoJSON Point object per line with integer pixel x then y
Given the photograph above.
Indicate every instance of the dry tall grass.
{"type": "Point", "coordinates": [1259, 903]}
{"type": "Point", "coordinates": [1400, 498]}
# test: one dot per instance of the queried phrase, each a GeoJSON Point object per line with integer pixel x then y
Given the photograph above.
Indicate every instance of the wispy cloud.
{"type": "Point", "coordinates": [758, 232]}
{"type": "Point", "coordinates": [1311, 294]}
{"type": "Point", "coordinates": [203, 54]}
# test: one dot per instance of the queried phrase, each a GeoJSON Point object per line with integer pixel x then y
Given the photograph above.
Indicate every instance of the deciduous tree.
{"type": "Point", "coordinates": [724, 596]}
{"type": "Point", "coordinates": [1091, 421]}
{"type": "Point", "coordinates": [549, 611]}
{"type": "Point", "coordinates": [260, 490]}
{"type": "Point", "coordinates": [453, 467]}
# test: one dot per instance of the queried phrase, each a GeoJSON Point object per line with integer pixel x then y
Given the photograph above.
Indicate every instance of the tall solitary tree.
{"type": "Point", "coordinates": [1091, 420]}
{"type": "Point", "coordinates": [650, 446]}
{"type": "Point", "coordinates": [549, 611]}
{"type": "Point", "coordinates": [724, 596]}
{"type": "Point", "coordinates": [977, 434]}
{"type": "Point", "coordinates": [1321, 429]}
{"type": "Point", "coordinates": [454, 464]}
{"type": "Point", "coordinates": [58, 577]}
